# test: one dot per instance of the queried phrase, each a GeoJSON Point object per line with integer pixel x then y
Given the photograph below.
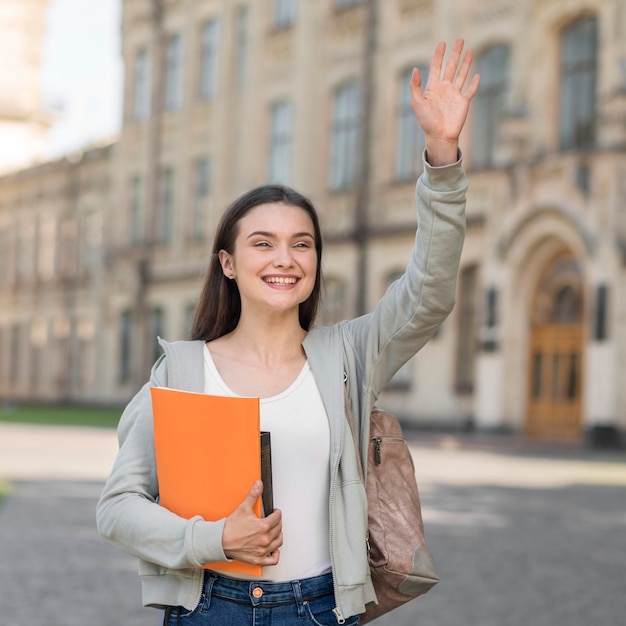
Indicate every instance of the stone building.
{"type": "Point", "coordinates": [222, 95]}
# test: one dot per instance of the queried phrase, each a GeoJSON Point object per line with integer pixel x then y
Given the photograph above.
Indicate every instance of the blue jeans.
{"type": "Point", "coordinates": [230, 602]}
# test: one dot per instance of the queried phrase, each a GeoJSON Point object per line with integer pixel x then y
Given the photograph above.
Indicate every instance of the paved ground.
{"type": "Point", "coordinates": [522, 535]}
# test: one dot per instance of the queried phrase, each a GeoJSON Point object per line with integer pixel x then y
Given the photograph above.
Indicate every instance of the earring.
{"type": "Point", "coordinates": [231, 276]}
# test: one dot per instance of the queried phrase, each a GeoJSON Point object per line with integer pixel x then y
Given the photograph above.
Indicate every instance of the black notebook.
{"type": "Point", "coordinates": [266, 473]}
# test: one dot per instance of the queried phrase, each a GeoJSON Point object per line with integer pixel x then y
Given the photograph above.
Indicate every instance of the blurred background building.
{"type": "Point", "coordinates": [103, 250]}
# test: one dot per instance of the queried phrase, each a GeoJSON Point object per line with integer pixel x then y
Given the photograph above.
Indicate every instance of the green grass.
{"type": "Point", "coordinates": [4, 490]}
{"type": "Point", "coordinates": [75, 416]}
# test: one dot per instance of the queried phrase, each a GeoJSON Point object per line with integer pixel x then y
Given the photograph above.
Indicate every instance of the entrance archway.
{"type": "Point", "coordinates": [556, 353]}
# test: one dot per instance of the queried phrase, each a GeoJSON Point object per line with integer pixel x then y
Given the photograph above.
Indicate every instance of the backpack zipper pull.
{"type": "Point", "coordinates": [377, 442]}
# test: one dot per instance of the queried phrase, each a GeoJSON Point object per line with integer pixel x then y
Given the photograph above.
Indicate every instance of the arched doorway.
{"type": "Point", "coordinates": [556, 353]}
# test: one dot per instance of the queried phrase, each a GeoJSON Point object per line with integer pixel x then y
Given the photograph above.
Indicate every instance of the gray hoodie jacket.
{"type": "Point", "coordinates": [364, 353]}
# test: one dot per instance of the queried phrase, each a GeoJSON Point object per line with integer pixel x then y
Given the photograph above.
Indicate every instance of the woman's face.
{"type": "Point", "coordinates": [274, 260]}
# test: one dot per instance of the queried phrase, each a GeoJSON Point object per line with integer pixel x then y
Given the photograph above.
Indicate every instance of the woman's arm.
{"type": "Point", "coordinates": [128, 513]}
{"type": "Point", "coordinates": [414, 306]}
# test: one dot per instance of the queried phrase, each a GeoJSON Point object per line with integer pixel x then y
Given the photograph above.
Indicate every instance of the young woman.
{"type": "Point", "coordinates": [254, 336]}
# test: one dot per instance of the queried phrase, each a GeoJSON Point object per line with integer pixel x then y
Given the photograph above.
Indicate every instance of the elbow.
{"type": "Point", "coordinates": [104, 520]}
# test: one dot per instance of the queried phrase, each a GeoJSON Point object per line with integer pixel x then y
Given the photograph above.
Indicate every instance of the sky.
{"type": "Point", "coordinates": [82, 73]}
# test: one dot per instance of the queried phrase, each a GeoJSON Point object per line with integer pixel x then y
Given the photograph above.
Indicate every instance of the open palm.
{"type": "Point", "coordinates": [442, 107]}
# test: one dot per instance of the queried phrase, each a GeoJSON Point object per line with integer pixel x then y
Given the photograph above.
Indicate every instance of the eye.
{"type": "Point", "coordinates": [302, 244]}
{"type": "Point", "coordinates": [262, 244]}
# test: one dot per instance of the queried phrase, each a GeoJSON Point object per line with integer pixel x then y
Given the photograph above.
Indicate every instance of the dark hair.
{"type": "Point", "coordinates": [219, 304]}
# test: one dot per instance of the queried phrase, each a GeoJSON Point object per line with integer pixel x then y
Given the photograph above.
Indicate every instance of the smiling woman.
{"type": "Point", "coordinates": [254, 335]}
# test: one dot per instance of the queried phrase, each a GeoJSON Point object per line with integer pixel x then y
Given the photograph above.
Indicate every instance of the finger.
{"type": "Point", "coordinates": [253, 495]}
{"type": "Point", "coordinates": [453, 61]}
{"type": "Point", "coordinates": [276, 544]}
{"type": "Point", "coordinates": [470, 92]}
{"type": "Point", "coordinates": [274, 519]}
{"type": "Point", "coordinates": [437, 61]}
{"type": "Point", "coordinates": [268, 543]}
{"type": "Point", "coordinates": [415, 84]}
{"type": "Point", "coordinates": [272, 558]}
{"type": "Point", "coordinates": [416, 79]}
{"type": "Point", "coordinates": [463, 72]}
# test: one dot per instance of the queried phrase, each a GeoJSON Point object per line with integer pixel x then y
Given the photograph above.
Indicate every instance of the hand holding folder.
{"type": "Point", "coordinates": [208, 455]}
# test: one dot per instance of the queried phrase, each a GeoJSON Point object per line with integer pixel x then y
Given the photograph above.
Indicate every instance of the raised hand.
{"type": "Point", "coordinates": [442, 106]}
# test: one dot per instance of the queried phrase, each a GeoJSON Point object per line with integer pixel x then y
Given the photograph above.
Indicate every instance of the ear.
{"type": "Point", "coordinates": [226, 261]}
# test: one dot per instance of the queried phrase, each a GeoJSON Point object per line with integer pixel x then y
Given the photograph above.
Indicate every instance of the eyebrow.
{"type": "Point", "coordinates": [263, 233]}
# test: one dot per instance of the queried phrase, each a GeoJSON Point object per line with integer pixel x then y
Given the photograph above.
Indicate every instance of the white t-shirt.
{"type": "Point", "coordinates": [300, 436]}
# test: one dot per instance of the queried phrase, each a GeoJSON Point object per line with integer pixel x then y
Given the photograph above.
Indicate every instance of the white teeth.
{"type": "Point", "coordinates": [280, 281]}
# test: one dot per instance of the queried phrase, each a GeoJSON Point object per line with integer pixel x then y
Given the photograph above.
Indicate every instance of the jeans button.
{"type": "Point", "coordinates": [257, 592]}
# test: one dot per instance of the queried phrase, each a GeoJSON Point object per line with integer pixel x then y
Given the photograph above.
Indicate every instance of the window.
{"type": "Point", "coordinates": [190, 312]}
{"type": "Point", "coordinates": [600, 331]}
{"type": "Point", "coordinates": [346, 3]}
{"type": "Point", "coordinates": [5, 255]}
{"type": "Point", "coordinates": [126, 338]}
{"type": "Point", "coordinates": [335, 296]}
{"type": "Point", "coordinates": [46, 257]}
{"type": "Point", "coordinates": [157, 329]}
{"type": "Point", "coordinates": [578, 84]}
{"type": "Point", "coordinates": [493, 66]}
{"type": "Point", "coordinates": [345, 131]}
{"type": "Point", "coordinates": [2, 353]}
{"type": "Point", "coordinates": [141, 104]}
{"type": "Point", "coordinates": [280, 142]}
{"type": "Point", "coordinates": [174, 73]}
{"type": "Point", "coordinates": [202, 190]}
{"type": "Point", "coordinates": [68, 247]}
{"type": "Point", "coordinates": [25, 261]}
{"type": "Point", "coordinates": [242, 36]}
{"type": "Point", "coordinates": [409, 134]}
{"type": "Point", "coordinates": [38, 341]}
{"type": "Point", "coordinates": [92, 239]}
{"type": "Point", "coordinates": [15, 353]}
{"type": "Point", "coordinates": [285, 13]}
{"type": "Point", "coordinates": [136, 210]}
{"type": "Point", "coordinates": [166, 206]}
{"type": "Point", "coordinates": [209, 64]}
{"type": "Point", "coordinates": [467, 334]}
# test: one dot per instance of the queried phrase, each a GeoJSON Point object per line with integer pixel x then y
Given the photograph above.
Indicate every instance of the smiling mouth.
{"type": "Point", "coordinates": [279, 280]}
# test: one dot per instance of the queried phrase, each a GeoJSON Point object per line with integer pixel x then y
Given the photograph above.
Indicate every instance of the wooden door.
{"type": "Point", "coordinates": [554, 404]}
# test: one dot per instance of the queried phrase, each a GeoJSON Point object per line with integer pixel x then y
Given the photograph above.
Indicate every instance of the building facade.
{"type": "Point", "coordinates": [222, 95]}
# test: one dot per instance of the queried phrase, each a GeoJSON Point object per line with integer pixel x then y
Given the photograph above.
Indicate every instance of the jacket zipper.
{"type": "Point", "coordinates": [337, 610]}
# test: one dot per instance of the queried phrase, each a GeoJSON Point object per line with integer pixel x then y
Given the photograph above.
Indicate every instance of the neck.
{"type": "Point", "coordinates": [268, 339]}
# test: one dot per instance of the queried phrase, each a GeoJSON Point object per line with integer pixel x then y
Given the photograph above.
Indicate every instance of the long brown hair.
{"type": "Point", "coordinates": [219, 304]}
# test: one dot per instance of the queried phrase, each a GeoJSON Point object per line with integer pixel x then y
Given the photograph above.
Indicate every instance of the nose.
{"type": "Point", "coordinates": [283, 256]}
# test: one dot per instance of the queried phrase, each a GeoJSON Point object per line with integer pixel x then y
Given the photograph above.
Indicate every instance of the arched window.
{"type": "Point", "coordinates": [493, 66]}
{"type": "Point", "coordinates": [578, 84]}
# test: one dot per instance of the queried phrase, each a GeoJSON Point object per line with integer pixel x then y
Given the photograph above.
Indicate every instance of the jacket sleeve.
{"type": "Point", "coordinates": [128, 513]}
{"type": "Point", "coordinates": [415, 305]}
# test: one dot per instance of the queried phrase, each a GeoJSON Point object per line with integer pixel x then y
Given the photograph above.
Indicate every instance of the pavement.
{"type": "Point", "coordinates": [522, 534]}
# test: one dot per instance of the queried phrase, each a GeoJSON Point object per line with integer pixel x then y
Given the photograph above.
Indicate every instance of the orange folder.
{"type": "Point", "coordinates": [207, 456]}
